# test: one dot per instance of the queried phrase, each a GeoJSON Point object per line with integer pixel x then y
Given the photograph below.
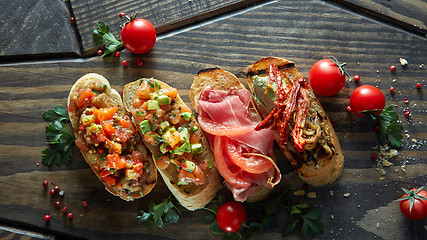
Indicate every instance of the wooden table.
{"type": "Point", "coordinates": [43, 54]}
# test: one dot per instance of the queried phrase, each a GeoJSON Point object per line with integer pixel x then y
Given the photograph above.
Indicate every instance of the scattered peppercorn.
{"type": "Point", "coordinates": [72, 20]}
{"type": "Point", "coordinates": [84, 203]}
{"type": "Point", "coordinates": [140, 64]}
{"type": "Point", "coordinates": [406, 100]}
{"type": "Point", "coordinates": [70, 215]}
{"type": "Point", "coordinates": [117, 54]}
{"type": "Point", "coordinates": [124, 63]}
{"type": "Point", "coordinates": [99, 52]}
{"type": "Point", "coordinates": [45, 183]}
{"type": "Point", "coordinates": [57, 203]}
{"type": "Point", "coordinates": [356, 78]}
{"type": "Point", "coordinates": [52, 192]}
{"type": "Point", "coordinates": [392, 90]}
{"type": "Point", "coordinates": [392, 68]}
{"type": "Point", "coordinates": [46, 218]}
{"type": "Point", "coordinates": [122, 14]}
{"type": "Point", "coordinates": [407, 113]}
{"type": "Point", "coordinates": [348, 109]}
{"type": "Point", "coordinates": [374, 156]}
{"type": "Point", "coordinates": [53, 182]}
{"type": "Point", "coordinates": [64, 209]}
{"type": "Point", "coordinates": [56, 189]}
{"type": "Point", "coordinates": [419, 85]}
{"type": "Point", "coordinates": [376, 128]}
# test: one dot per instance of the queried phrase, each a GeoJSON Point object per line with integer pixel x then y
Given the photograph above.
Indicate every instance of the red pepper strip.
{"type": "Point", "coordinates": [268, 121]}
{"type": "Point", "coordinates": [301, 112]}
{"type": "Point", "coordinates": [290, 105]}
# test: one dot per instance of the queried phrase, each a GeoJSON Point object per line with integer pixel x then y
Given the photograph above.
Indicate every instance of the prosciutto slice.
{"type": "Point", "coordinates": [240, 151]}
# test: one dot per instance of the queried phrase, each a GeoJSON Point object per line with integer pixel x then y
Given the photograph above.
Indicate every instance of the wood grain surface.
{"type": "Point", "coordinates": [164, 15]}
{"type": "Point", "coordinates": [302, 31]}
{"type": "Point", "coordinates": [36, 28]}
{"type": "Point", "coordinates": [407, 14]}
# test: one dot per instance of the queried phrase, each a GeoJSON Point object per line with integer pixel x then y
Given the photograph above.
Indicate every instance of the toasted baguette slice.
{"type": "Point", "coordinates": [220, 79]}
{"type": "Point", "coordinates": [191, 196]}
{"type": "Point", "coordinates": [136, 185]}
{"type": "Point", "coordinates": [326, 168]}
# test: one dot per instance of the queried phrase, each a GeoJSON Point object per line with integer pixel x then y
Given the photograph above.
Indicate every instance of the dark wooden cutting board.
{"type": "Point", "coordinates": [303, 32]}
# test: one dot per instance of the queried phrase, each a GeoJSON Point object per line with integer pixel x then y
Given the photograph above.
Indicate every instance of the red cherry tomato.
{"type": "Point", "coordinates": [230, 216]}
{"type": "Point", "coordinates": [366, 97]}
{"type": "Point", "coordinates": [326, 78]}
{"type": "Point", "coordinates": [419, 208]}
{"type": "Point", "coordinates": [138, 36]}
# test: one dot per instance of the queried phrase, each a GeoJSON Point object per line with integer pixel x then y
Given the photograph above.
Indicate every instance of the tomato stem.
{"type": "Point", "coordinates": [340, 66]}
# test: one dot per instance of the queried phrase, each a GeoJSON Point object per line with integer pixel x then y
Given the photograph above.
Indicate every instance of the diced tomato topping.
{"type": "Point", "coordinates": [162, 162]}
{"type": "Point", "coordinates": [72, 106]}
{"type": "Point", "coordinates": [104, 172]}
{"type": "Point", "coordinates": [82, 127]}
{"type": "Point", "coordinates": [108, 128]}
{"type": "Point", "coordinates": [104, 114]}
{"type": "Point", "coordinates": [81, 145]}
{"type": "Point", "coordinates": [110, 180]}
{"type": "Point", "coordinates": [137, 156]}
{"type": "Point", "coordinates": [175, 116]}
{"type": "Point", "coordinates": [194, 137]}
{"type": "Point", "coordinates": [173, 139]}
{"type": "Point", "coordinates": [170, 92]}
{"type": "Point", "coordinates": [125, 123]}
{"type": "Point", "coordinates": [84, 97]}
{"type": "Point", "coordinates": [116, 162]}
{"type": "Point", "coordinates": [138, 167]}
{"type": "Point", "coordinates": [148, 137]}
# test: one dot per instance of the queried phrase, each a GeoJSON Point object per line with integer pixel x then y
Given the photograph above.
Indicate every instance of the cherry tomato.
{"type": "Point", "coordinates": [326, 78]}
{"type": "Point", "coordinates": [230, 216]}
{"type": "Point", "coordinates": [418, 210]}
{"type": "Point", "coordinates": [138, 36]}
{"type": "Point", "coordinates": [366, 97]}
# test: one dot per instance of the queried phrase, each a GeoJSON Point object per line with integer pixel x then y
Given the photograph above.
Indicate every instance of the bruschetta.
{"type": "Point", "coordinates": [108, 139]}
{"type": "Point", "coordinates": [303, 130]}
{"type": "Point", "coordinates": [178, 145]}
{"type": "Point", "coordinates": [228, 116]}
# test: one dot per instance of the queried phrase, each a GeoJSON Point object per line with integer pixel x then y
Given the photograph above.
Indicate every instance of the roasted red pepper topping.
{"type": "Point", "coordinates": [287, 98]}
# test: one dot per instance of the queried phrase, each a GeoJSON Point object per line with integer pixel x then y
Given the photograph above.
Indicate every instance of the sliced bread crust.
{"type": "Point", "coordinates": [220, 79]}
{"type": "Point", "coordinates": [149, 171]}
{"type": "Point", "coordinates": [326, 170]}
{"type": "Point", "coordinates": [190, 196]}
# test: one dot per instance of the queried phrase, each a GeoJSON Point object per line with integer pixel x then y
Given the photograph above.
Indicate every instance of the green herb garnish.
{"type": "Point", "coordinates": [165, 211]}
{"type": "Point", "coordinates": [102, 36]}
{"type": "Point", "coordinates": [59, 137]}
{"type": "Point", "coordinates": [389, 129]}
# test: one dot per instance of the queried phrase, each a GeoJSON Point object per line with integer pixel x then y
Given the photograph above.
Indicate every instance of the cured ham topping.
{"type": "Point", "coordinates": [240, 155]}
{"type": "Point", "coordinates": [108, 139]}
{"type": "Point", "coordinates": [166, 123]}
{"type": "Point", "coordinates": [287, 99]}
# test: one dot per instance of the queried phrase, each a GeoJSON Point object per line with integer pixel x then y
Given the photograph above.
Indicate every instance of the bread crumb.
{"type": "Point", "coordinates": [403, 61]}
{"type": "Point", "coordinates": [299, 192]}
{"type": "Point", "coordinates": [311, 195]}
{"type": "Point", "coordinates": [346, 194]}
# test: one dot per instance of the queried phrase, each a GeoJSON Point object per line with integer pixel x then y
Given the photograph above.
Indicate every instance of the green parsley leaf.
{"type": "Point", "coordinates": [165, 211]}
{"type": "Point", "coordinates": [389, 129]}
{"type": "Point", "coordinates": [102, 36]}
{"type": "Point", "coordinates": [59, 137]}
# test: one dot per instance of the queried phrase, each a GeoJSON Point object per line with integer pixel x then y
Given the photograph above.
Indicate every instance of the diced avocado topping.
{"type": "Point", "coordinates": [152, 105]}
{"type": "Point", "coordinates": [184, 148]}
{"type": "Point", "coordinates": [189, 166]}
{"type": "Point", "coordinates": [164, 125]}
{"type": "Point", "coordinates": [196, 148]}
{"type": "Point", "coordinates": [167, 135]}
{"type": "Point", "coordinates": [194, 128]}
{"type": "Point", "coordinates": [163, 100]}
{"type": "Point", "coordinates": [163, 148]}
{"type": "Point", "coordinates": [182, 183]}
{"type": "Point", "coordinates": [172, 129]}
{"type": "Point", "coordinates": [186, 116]}
{"type": "Point", "coordinates": [157, 86]}
{"type": "Point", "coordinates": [145, 126]}
{"type": "Point", "coordinates": [184, 135]}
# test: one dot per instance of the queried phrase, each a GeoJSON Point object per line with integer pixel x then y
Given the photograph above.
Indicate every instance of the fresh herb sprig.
{"type": "Point", "coordinates": [263, 216]}
{"type": "Point", "coordinates": [59, 137]}
{"type": "Point", "coordinates": [165, 211]}
{"type": "Point", "coordinates": [102, 36]}
{"type": "Point", "coordinates": [389, 129]}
